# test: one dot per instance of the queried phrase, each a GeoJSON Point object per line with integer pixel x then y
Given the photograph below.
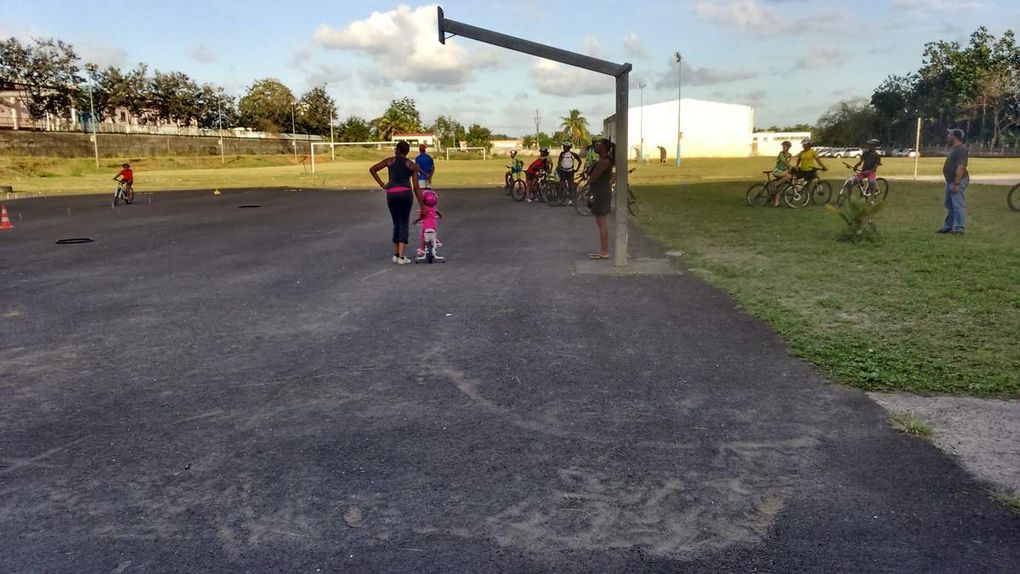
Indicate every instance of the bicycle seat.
{"type": "Point", "coordinates": [767, 171]}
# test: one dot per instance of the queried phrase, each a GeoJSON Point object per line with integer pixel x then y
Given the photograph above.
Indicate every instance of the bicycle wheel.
{"type": "Point", "coordinates": [129, 196]}
{"type": "Point", "coordinates": [508, 184]}
{"type": "Point", "coordinates": [795, 197]}
{"type": "Point", "coordinates": [116, 197]}
{"type": "Point", "coordinates": [757, 195]}
{"type": "Point", "coordinates": [844, 192]}
{"type": "Point", "coordinates": [1013, 199]}
{"type": "Point", "coordinates": [883, 188]}
{"type": "Point", "coordinates": [582, 201]}
{"type": "Point", "coordinates": [519, 191]}
{"type": "Point", "coordinates": [821, 192]}
{"type": "Point", "coordinates": [632, 205]}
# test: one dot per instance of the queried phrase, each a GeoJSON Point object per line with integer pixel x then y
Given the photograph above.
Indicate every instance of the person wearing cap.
{"type": "Point", "coordinates": [808, 162]}
{"type": "Point", "coordinates": [426, 167]}
{"type": "Point", "coordinates": [957, 179]}
{"type": "Point", "coordinates": [869, 162]}
{"type": "Point", "coordinates": [567, 165]}
{"type": "Point", "coordinates": [536, 169]}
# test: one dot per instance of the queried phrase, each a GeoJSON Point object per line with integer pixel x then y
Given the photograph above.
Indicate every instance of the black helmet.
{"type": "Point", "coordinates": [544, 151]}
{"type": "Point", "coordinates": [125, 165]}
{"type": "Point", "coordinates": [567, 145]}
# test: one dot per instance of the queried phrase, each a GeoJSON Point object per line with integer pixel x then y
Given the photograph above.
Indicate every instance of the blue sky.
{"type": "Point", "coordinates": [790, 59]}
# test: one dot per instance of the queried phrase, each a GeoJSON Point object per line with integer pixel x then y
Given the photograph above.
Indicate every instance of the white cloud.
{"type": "Point", "coordinates": [701, 76]}
{"type": "Point", "coordinates": [102, 54]}
{"type": "Point", "coordinates": [633, 47]}
{"type": "Point", "coordinates": [554, 79]}
{"type": "Point", "coordinates": [818, 58]}
{"type": "Point", "coordinates": [202, 54]}
{"type": "Point", "coordinates": [745, 14]}
{"type": "Point", "coordinates": [929, 5]}
{"type": "Point", "coordinates": [404, 46]}
{"type": "Point", "coordinates": [591, 46]}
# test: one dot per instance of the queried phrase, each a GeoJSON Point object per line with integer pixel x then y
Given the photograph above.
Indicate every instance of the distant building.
{"type": "Point", "coordinates": [769, 144]}
{"type": "Point", "coordinates": [504, 147]}
{"type": "Point", "coordinates": [416, 138]}
{"type": "Point", "coordinates": [707, 129]}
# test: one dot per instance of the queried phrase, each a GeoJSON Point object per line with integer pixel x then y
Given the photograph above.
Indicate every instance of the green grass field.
{"type": "Point", "coordinates": [913, 311]}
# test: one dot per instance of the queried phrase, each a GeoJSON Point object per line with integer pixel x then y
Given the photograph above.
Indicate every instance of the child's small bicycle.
{"type": "Point", "coordinates": [123, 193]}
{"type": "Point", "coordinates": [429, 251]}
{"type": "Point", "coordinates": [431, 254]}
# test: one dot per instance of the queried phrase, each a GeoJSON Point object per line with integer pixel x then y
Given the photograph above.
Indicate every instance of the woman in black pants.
{"type": "Point", "coordinates": [403, 178]}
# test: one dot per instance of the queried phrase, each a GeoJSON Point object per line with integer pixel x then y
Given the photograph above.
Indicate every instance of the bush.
{"type": "Point", "coordinates": [858, 215]}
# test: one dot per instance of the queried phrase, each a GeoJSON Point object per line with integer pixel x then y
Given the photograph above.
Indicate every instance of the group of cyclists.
{"type": "Point", "coordinates": [569, 166]}
{"type": "Point", "coordinates": [806, 165]}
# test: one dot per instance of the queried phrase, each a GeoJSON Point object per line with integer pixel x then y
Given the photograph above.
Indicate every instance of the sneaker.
{"type": "Point", "coordinates": [439, 243]}
{"type": "Point", "coordinates": [396, 259]}
{"type": "Point", "coordinates": [943, 230]}
{"type": "Point", "coordinates": [403, 261]}
{"type": "Point", "coordinates": [421, 253]}
{"type": "Point", "coordinates": [957, 232]}
{"type": "Point", "coordinates": [529, 200]}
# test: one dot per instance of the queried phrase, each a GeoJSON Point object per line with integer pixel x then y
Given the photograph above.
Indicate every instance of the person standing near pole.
{"type": "Point", "coordinates": [957, 179]}
{"type": "Point", "coordinates": [403, 178]}
{"type": "Point", "coordinates": [426, 167]}
{"type": "Point", "coordinates": [601, 183]}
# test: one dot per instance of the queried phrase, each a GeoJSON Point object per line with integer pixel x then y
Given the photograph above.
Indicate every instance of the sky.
{"type": "Point", "coordinates": [789, 59]}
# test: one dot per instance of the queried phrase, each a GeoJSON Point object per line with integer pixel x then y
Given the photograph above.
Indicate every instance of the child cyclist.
{"type": "Point", "coordinates": [127, 177]}
{"type": "Point", "coordinates": [537, 168]}
{"type": "Point", "coordinates": [869, 162]}
{"type": "Point", "coordinates": [430, 217]}
{"type": "Point", "coordinates": [781, 171]}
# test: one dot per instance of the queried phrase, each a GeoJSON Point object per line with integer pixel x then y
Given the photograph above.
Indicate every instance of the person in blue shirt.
{"type": "Point", "coordinates": [426, 167]}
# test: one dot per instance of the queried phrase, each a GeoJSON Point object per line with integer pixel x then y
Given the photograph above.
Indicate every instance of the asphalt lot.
{"type": "Point", "coordinates": [207, 388]}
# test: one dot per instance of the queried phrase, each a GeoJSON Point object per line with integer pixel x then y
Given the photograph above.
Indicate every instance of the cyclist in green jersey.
{"type": "Point", "coordinates": [781, 172]}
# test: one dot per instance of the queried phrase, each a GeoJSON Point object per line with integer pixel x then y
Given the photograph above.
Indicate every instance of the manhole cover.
{"type": "Point", "coordinates": [73, 240]}
{"type": "Point", "coordinates": [249, 205]}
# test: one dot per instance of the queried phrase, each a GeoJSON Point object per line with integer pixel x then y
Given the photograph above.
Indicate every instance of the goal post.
{"type": "Point", "coordinates": [482, 149]}
{"type": "Point", "coordinates": [333, 145]}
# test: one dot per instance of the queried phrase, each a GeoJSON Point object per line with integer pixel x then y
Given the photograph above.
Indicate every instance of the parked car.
{"type": "Point", "coordinates": [909, 152]}
{"type": "Point", "coordinates": [895, 152]}
{"type": "Point", "coordinates": [833, 152]}
{"type": "Point", "coordinates": [852, 152]}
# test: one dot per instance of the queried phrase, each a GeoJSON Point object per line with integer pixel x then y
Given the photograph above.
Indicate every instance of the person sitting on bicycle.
{"type": "Point", "coordinates": [535, 170]}
{"type": "Point", "coordinates": [127, 177]}
{"type": "Point", "coordinates": [516, 165]}
{"type": "Point", "coordinates": [781, 171]}
{"type": "Point", "coordinates": [808, 163]}
{"type": "Point", "coordinates": [567, 165]}
{"type": "Point", "coordinates": [869, 162]}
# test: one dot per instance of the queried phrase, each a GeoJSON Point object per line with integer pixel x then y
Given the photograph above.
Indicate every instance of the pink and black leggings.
{"type": "Point", "coordinates": [400, 201]}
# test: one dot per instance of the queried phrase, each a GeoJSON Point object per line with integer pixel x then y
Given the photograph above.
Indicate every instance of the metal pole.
{"type": "Point", "coordinates": [92, 116]}
{"type": "Point", "coordinates": [538, 122]}
{"type": "Point", "coordinates": [917, 147]}
{"type": "Point", "coordinates": [332, 141]}
{"type": "Point", "coordinates": [679, 98]}
{"type": "Point", "coordinates": [641, 151]}
{"type": "Point", "coordinates": [622, 113]}
{"type": "Point", "coordinates": [219, 106]}
{"type": "Point", "coordinates": [293, 130]}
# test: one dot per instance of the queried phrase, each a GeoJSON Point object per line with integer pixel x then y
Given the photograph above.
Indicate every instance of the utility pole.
{"type": "Point", "coordinates": [92, 116]}
{"type": "Point", "coordinates": [293, 130]}
{"type": "Point", "coordinates": [219, 107]}
{"type": "Point", "coordinates": [641, 151]}
{"type": "Point", "coordinates": [917, 147]}
{"type": "Point", "coordinates": [538, 122]}
{"type": "Point", "coordinates": [679, 98]}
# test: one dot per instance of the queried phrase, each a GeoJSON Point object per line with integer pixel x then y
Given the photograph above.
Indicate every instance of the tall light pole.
{"type": "Point", "coordinates": [293, 130]}
{"type": "Point", "coordinates": [641, 151]}
{"type": "Point", "coordinates": [679, 97]}
{"type": "Point", "coordinates": [92, 116]}
{"type": "Point", "coordinates": [219, 123]}
{"type": "Point", "coordinates": [538, 122]}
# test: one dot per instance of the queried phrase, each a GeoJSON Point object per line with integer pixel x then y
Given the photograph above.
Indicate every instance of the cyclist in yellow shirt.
{"type": "Point", "coordinates": [808, 162]}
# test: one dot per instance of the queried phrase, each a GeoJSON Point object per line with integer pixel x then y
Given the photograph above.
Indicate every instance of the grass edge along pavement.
{"type": "Point", "coordinates": [911, 311]}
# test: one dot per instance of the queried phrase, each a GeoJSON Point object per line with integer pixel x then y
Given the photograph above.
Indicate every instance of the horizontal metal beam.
{"type": "Point", "coordinates": [455, 28]}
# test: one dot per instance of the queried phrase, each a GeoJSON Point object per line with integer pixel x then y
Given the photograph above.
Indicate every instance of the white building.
{"type": "Point", "coordinates": [707, 129]}
{"type": "Point", "coordinates": [769, 144]}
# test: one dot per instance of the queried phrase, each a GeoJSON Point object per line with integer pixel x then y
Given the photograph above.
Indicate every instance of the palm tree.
{"type": "Point", "coordinates": [575, 127]}
{"type": "Point", "coordinates": [390, 123]}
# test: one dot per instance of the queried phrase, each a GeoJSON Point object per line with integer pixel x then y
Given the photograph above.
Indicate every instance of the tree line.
{"type": "Point", "coordinates": [53, 79]}
{"type": "Point", "coordinates": [975, 87]}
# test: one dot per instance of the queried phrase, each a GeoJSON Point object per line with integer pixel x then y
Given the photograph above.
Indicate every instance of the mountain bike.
{"type": "Point", "coordinates": [542, 186]}
{"type": "Point", "coordinates": [800, 193]}
{"type": "Point", "coordinates": [562, 192]}
{"type": "Point", "coordinates": [793, 193]}
{"type": "Point", "coordinates": [862, 186]}
{"type": "Point", "coordinates": [763, 194]}
{"type": "Point", "coordinates": [1013, 199]}
{"type": "Point", "coordinates": [123, 193]}
{"type": "Point", "coordinates": [513, 181]}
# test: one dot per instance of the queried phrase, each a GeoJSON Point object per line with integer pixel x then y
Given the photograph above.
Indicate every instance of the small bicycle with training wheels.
{"type": "Point", "coordinates": [124, 193]}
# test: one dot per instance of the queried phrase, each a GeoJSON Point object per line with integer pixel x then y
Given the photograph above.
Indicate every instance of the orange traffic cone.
{"type": "Point", "coordinates": [5, 222]}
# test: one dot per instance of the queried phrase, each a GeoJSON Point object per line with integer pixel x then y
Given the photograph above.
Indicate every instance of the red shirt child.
{"type": "Point", "coordinates": [126, 175]}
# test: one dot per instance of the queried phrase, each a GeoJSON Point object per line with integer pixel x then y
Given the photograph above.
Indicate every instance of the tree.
{"type": "Point", "coordinates": [575, 128]}
{"type": "Point", "coordinates": [401, 117]}
{"type": "Point", "coordinates": [528, 141]}
{"type": "Point", "coordinates": [267, 106]}
{"type": "Point", "coordinates": [478, 136]}
{"type": "Point", "coordinates": [47, 71]}
{"type": "Point", "coordinates": [355, 129]}
{"type": "Point", "coordinates": [316, 112]}
{"type": "Point", "coordinates": [215, 109]}
{"type": "Point", "coordinates": [447, 130]}
{"type": "Point", "coordinates": [891, 101]}
{"type": "Point", "coordinates": [849, 122]}
{"type": "Point", "coordinates": [174, 98]}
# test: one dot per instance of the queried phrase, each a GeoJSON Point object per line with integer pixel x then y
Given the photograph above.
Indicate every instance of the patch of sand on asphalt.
{"type": "Point", "coordinates": [983, 434]}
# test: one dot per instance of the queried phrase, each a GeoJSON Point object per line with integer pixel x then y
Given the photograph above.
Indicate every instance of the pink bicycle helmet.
{"type": "Point", "coordinates": [430, 198]}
